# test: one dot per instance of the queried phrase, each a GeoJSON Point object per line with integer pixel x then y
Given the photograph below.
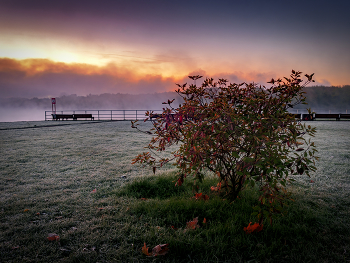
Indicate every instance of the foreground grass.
{"type": "Point", "coordinates": [50, 190]}
{"type": "Point", "coordinates": [114, 228]}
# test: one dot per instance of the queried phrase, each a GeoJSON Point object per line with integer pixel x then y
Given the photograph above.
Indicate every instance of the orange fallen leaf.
{"type": "Point", "coordinates": [26, 210]}
{"type": "Point", "coordinates": [37, 213]}
{"type": "Point", "coordinates": [312, 181]}
{"type": "Point", "coordinates": [204, 220]}
{"type": "Point", "coordinates": [145, 250]}
{"type": "Point", "coordinates": [53, 237]}
{"type": "Point", "coordinates": [100, 208]}
{"type": "Point", "coordinates": [93, 191]}
{"type": "Point", "coordinates": [173, 227]}
{"type": "Point", "coordinates": [192, 224]}
{"type": "Point", "coordinates": [253, 228]}
{"type": "Point", "coordinates": [158, 250]}
{"type": "Point", "coordinates": [144, 199]}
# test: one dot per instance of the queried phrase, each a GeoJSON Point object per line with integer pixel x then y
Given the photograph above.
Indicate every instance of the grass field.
{"type": "Point", "coordinates": [48, 177]}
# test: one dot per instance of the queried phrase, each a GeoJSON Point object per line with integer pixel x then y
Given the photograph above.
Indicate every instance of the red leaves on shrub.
{"type": "Point", "coordinates": [180, 181]}
{"type": "Point", "coordinates": [53, 237]}
{"type": "Point", "coordinates": [241, 132]}
{"type": "Point", "coordinates": [216, 188]}
{"type": "Point", "coordinates": [253, 228]}
{"type": "Point", "coordinates": [158, 250]}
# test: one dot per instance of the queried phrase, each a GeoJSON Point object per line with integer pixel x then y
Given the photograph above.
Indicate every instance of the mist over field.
{"type": "Point", "coordinates": [319, 98]}
{"type": "Point", "coordinates": [23, 109]}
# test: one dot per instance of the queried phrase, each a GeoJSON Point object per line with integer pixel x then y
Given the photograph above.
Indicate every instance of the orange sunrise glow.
{"type": "Point", "coordinates": [139, 47]}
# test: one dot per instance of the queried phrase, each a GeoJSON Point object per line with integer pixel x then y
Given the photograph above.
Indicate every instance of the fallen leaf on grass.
{"type": "Point", "coordinates": [93, 191]}
{"type": "Point", "coordinates": [144, 199]}
{"type": "Point", "coordinates": [199, 196]}
{"type": "Point", "coordinates": [312, 181]}
{"type": "Point", "coordinates": [158, 250]}
{"type": "Point", "coordinates": [204, 220]}
{"type": "Point", "coordinates": [53, 237]}
{"type": "Point", "coordinates": [145, 250]}
{"type": "Point", "coordinates": [192, 224]}
{"type": "Point", "coordinates": [253, 228]}
{"type": "Point", "coordinates": [25, 210]}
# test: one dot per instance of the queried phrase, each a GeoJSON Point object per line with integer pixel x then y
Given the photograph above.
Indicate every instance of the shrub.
{"type": "Point", "coordinates": [243, 133]}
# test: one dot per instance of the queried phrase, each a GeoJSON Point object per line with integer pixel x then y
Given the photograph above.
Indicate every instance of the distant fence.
{"type": "Point", "coordinates": [112, 115]}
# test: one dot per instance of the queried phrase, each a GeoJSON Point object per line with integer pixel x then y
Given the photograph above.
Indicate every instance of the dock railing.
{"type": "Point", "coordinates": [107, 115]}
{"type": "Point", "coordinates": [131, 115]}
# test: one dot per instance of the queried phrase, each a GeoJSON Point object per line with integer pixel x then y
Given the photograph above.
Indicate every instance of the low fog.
{"type": "Point", "coordinates": [320, 99]}
{"type": "Point", "coordinates": [21, 109]}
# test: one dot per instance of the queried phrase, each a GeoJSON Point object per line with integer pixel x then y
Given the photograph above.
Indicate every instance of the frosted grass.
{"type": "Point", "coordinates": [83, 156]}
{"type": "Point", "coordinates": [68, 159]}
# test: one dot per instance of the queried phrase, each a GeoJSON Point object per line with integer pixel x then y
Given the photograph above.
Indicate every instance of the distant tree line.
{"type": "Point", "coordinates": [319, 99]}
{"type": "Point", "coordinates": [95, 102]}
{"type": "Point", "coordinates": [322, 99]}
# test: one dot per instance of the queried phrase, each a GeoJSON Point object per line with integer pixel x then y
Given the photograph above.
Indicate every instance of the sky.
{"type": "Point", "coordinates": [56, 48]}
